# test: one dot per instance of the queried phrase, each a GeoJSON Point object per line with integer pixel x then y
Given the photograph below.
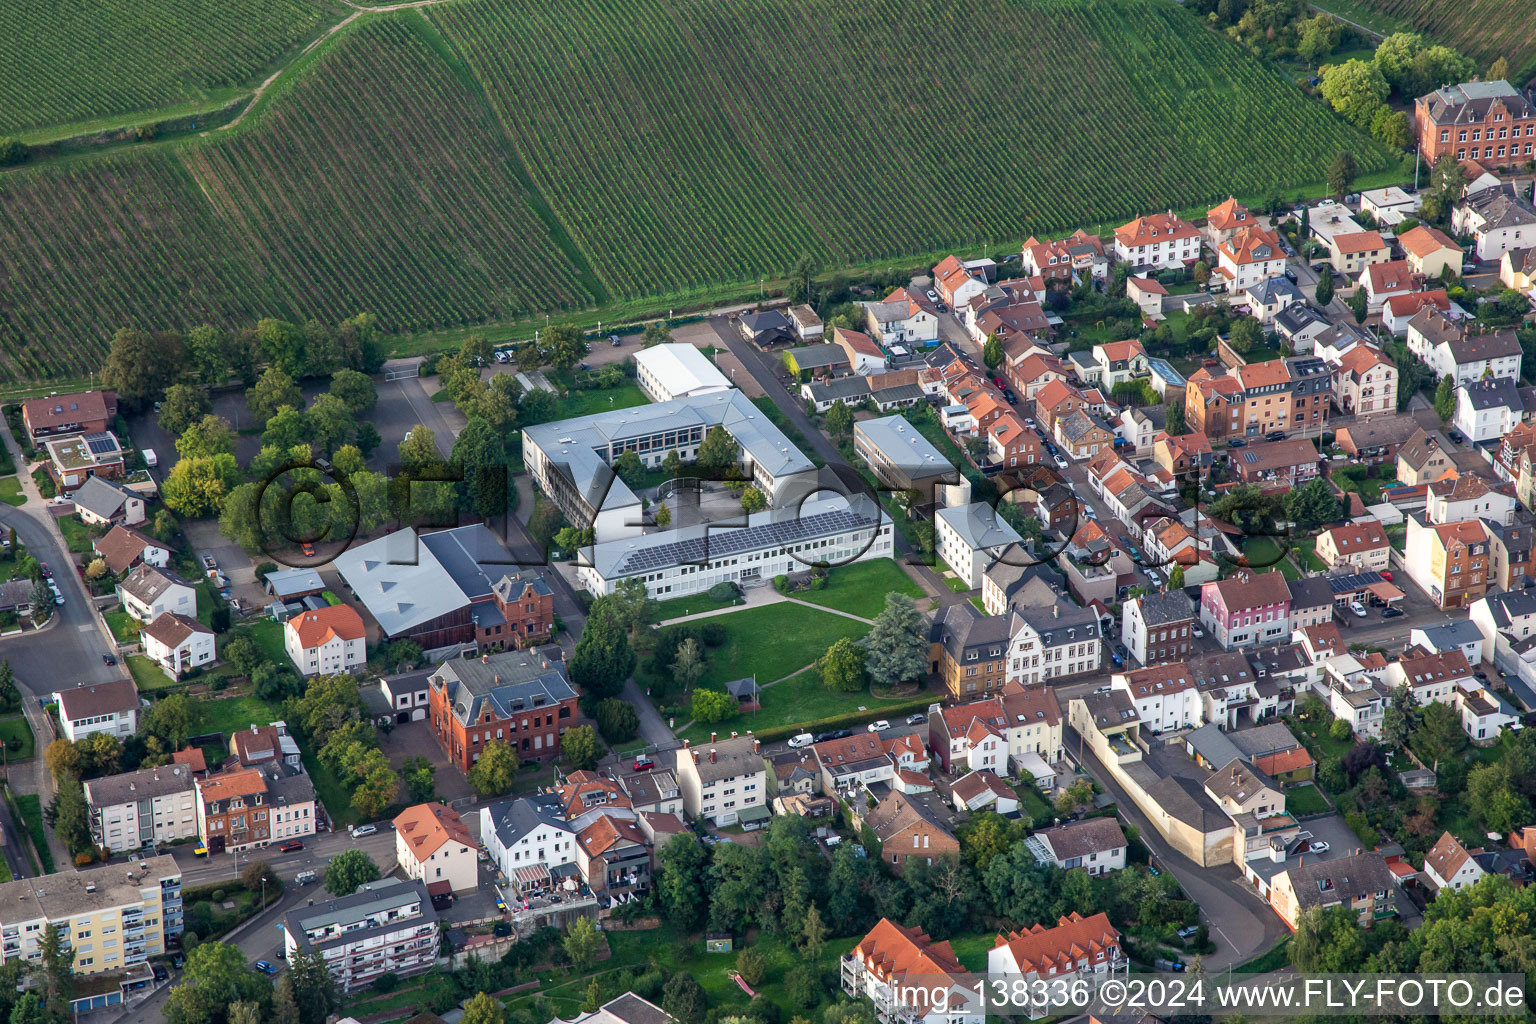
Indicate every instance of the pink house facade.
{"type": "Point", "coordinates": [1247, 609]}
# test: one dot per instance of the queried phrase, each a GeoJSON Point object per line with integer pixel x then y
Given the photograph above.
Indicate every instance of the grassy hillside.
{"type": "Point", "coordinates": [691, 142]}
{"type": "Point", "coordinates": [376, 182]}
{"type": "Point", "coordinates": [1483, 29]}
{"type": "Point", "coordinates": [69, 61]}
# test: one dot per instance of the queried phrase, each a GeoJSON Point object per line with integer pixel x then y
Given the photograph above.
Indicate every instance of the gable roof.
{"type": "Point", "coordinates": [1422, 240]}
{"type": "Point", "coordinates": [1352, 537]}
{"type": "Point", "coordinates": [892, 952]}
{"type": "Point", "coordinates": [1252, 589]}
{"type": "Point", "coordinates": [172, 629]}
{"type": "Point", "coordinates": [318, 626]}
{"type": "Point", "coordinates": [897, 814]}
{"type": "Point", "coordinates": [97, 699]}
{"type": "Point", "coordinates": [1083, 838]}
{"type": "Point", "coordinates": [123, 545]}
{"type": "Point", "coordinates": [1158, 227]}
{"type": "Point", "coordinates": [426, 828]}
{"type": "Point", "coordinates": [1352, 242]}
{"type": "Point", "coordinates": [1446, 857]}
{"type": "Point", "coordinates": [1049, 950]}
{"type": "Point", "coordinates": [1229, 215]}
{"type": "Point", "coordinates": [102, 497]}
{"type": "Point", "coordinates": [75, 407]}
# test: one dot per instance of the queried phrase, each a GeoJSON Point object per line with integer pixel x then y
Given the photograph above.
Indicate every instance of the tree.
{"type": "Point", "coordinates": [842, 667]}
{"type": "Point", "coordinates": [174, 719]}
{"type": "Point", "coordinates": [215, 977]}
{"type": "Point", "coordinates": [62, 759]}
{"type": "Point", "coordinates": [663, 515]}
{"type": "Point", "coordinates": [1176, 578]}
{"type": "Point", "coordinates": [244, 1012]}
{"type": "Point", "coordinates": [839, 420]}
{"type": "Point", "coordinates": [897, 645]}
{"type": "Point", "coordinates": [813, 934]}
{"type": "Point", "coordinates": [348, 871]}
{"type": "Point", "coordinates": [285, 1009]}
{"type": "Point", "coordinates": [629, 468]}
{"type": "Point", "coordinates": [1495, 800]}
{"type": "Point", "coordinates": [617, 720]}
{"type": "Point", "coordinates": [1174, 408]}
{"type": "Point", "coordinates": [418, 451]}
{"type": "Point", "coordinates": [801, 987]}
{"type": "Point", "coordinates": [1342, 172]}
{"type": "Point", "coordinates": [718, 450]}
{"type": "Point", "coordinates": [1075, 797]}
{"type": "Point", "coordinates": [1355, 89]}
{"type": "Point", "coordinates": [712, 706]}
{"type": "Point", "coordinates": [100, 754]}
{"type": "Point", "coordinates": [211, 435]}
{"type": "Point", "coordinates": [1358, 304]}
{"type": "Point", "coordinates": [287, 429]}
{"type": "Point", "coordinates": [420, 779]}
{"type": "Point", "coordinates": [283, 344]}
{"type": "Point", "coordinates": [332, 423]}
{"type": "Point", "coordinates": [581, 746]}
{"type": "Point", "coordinates": [71, 816]}
{"type": "Point", "coordinates": [655, 333]}
{"type": "Point", "coordinates": [632, 605]}
{"type": "Point", "coordinates": [259, 875]}
{"type": "Point", "coordinates": [992, 351]}
{"type": "Point", "coordinates": [1324, 292]}
{"type": "Point", "coordinates": [581, 941]}
{"type": "Point", "coordinates": [376, 785]}
{"type": "Point", "coordinates": [356, 390]}
{"type": "Point", "coordinates": [683, 998]}
{"type": "Point", "coordinates": [142, 364]}
{"type": "Point", "coordinates": [58, 964]}
{"type": "Point", "coordinates": [481, 457]}
{"type": "Point", "coordinates": [1445, 399]}
{"type": "Point", "coordinates": [680, 877]}
{"type": "Point", "coordinates": [603, 658]}
{"type": "Point", "coordinates": [564, 346]}
{"type": "Point", "coordinates": [987, 835]}
{"type": "Point", "coordinates": [183, 405]}
{"type": "Point", "coordinates": [28, 1009]}
{"type": "Point", "coordinates": [1392, 127]}
{"type": "Point", "coordinates": [271, 392]}
{"type": "Point", "coordinates": [13, 151]}
{"type": "Point", "coordinates": [1312, 504]}
{"type": "Point", "coordinates": [495, 770]}
{"type": "Point", "coordinates": [197, 487]}
{"type": "Point", "coordinates": [486, 1009]}
{"type": "Point", "coordinates": [751, 966]}
{"type": "Point", "coordinates": [1340, 730]}
{"type": "Point", "coordinates": [752, 499]}
{"type": "Point", "coordinates": [1246, 335]}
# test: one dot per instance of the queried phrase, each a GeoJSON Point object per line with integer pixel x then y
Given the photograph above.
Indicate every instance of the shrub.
{"type": "Point", "coordinates": [723, 592]}
{"type": "Point", "coordinates": [1340, 730]}
{"type": "Point", "coordinates": [218, 895]}
{"type": "Point", "coordinates": [781, 583]}
{"type": "Point", "coordinates": [386, 982]}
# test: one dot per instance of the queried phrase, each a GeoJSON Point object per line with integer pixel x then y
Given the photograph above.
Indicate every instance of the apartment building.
{"type": "Point", "coordinates": [1449, 561]}
{"type": "Point", "coordinates": [1492, 122]}
{"type": "Point", "coordinates": [521, 698]}
{"type": "Point", "coordinates": [723, 779]}
{"type": "Point", "coordinates": [1077, 947]}
{"type": "Point", "coordinates": [113, 918]}
{"type": "Point", "coordinates": [112, 708]}
{"type": "Point", "coordinates": [1159, 627]}
{"type": "Point", "coordinates": [891, 964]}
{"type": "Point", "coordinates": [241, 808]}
{"type": "Point", "coordinates": [387, 927]}
{"type": "Point", "coordinates": [142, 808]}
{"type": "Point", "coordinates": [326, 641]}
{"type": "Point", "coordinates": [433, 846]}
{"type": "Point", "coordinates": [1164, 241]}
{"type": "Point", "coordinates": [1247, 609]}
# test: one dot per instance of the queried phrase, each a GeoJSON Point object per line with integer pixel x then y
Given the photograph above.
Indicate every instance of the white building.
{"type": "Point", "coordinates": [326, 641]}
{"type": "Point", "coordinates": [143, 808]}
{"type": "Point", "coordinates": [1078, 947]}
{"type": "Point", "coordinates": [149, 592]}
{"type": "Point", "coordinates": [901, 971]}
{"type": "Point", "coordinates": [1448, 865]}
{"type": "Point", "coordinates": [433, 846]}
{"type": "Point", "coordinates": [178, 644]}
{"type": "Point", "coordinates": [1499, 221]}
{"type": "Point", "coordinates": [676, 370]}
{"type": "Point", "coordinates": [527, 832]}
{"type": "Point", "coordinates": [386, 927]}
{"type": "Point", "coordinates": [1488, 409]}
{"type": "Point", "coordinates": [1165, 696]}
{"type": "Point", "coordinates": [1094, 844]}
{"type": "Point", "coordinates": [1453, 350]}
{"type": "Point", "coordinates": [723, 779]}
{"type": "Point", "coordinates": [902, 318]}
{"type": "Point", "coordinates": [1053, 642]}
{"type": "Point", "coordinates": [747, 551]}
{"type": "Point", "coordinates": [969, 539]}
{"type": "Point", "coordinates": [1163, 240]}
{"type": "Point", "coordinates": [1250, 256]}
{"type": "Point", "coordinates": [112, 708]}
{"type": "Point", "coordinates": [1458, 635]}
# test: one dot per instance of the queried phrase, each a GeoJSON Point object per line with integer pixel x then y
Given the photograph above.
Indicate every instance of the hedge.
{"type": "Point", "coordinates": [904, 707]}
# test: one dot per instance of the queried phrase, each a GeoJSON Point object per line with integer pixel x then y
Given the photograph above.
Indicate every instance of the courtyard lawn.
{"type": "Point", "coordinates": [955, 584]}
{"type": "Point", "coordinates": [1302, 800]}
{"type": "Point", "coordinates": [800, 699]}
{"type": "Point", "coordinates": [1033, 803]}
{"type": "Point", "coordinates": [147, 675]}
{"type": "Point", "coordinates": [582, 403]}
{"type": "Point", "coordinates": [77, 536]}
{"type": "Point", "coordinates": [860, 588]}
{"type": "Point", "coordinates": [15, 727]}
{"type": "Point", "coordinates": [124, 626]}
{"type": "Point", "coordinates": [1305, 549]}
{"type": "Point", "coordinates": [230, 714]}
{"type": "Point", "coordinates": [10, 491]}
{"type": "Point", "coordinates": [775, 641]}
{"type": "Point", "coordinates": [336, 797]}
{"type": "Point", "coordinates": [695, 605]}
{"type": "Point", "coordinates": [978, 603]}
{"type": "Point", "coordinates": [1264, 553]}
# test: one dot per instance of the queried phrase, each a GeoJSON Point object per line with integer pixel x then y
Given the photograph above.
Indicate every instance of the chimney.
{"type": "Point", "coordinates": [686, 744]}
{"type": "Point", "coordinates": [757, 748]}
{"type": "Point", "coordinates": [485, 659]}
{"type": "Point", "coordinates": [713, 736]}
{"type": "Point", "coordinates": [733, 734]}
{"type": "Point", "coordinates": [711, 755]}
{"type": "Point", "coordinates": [545, 663]}
{"type": "Point", "coordinates": [253, 728]}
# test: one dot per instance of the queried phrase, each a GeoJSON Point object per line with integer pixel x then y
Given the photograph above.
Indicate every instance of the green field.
{"type": "Point", "coordinates": [860, 588]}
{"type": "Point", "coordinates": [229, 714]}
{"type": "Point", "coordinates": [70, 61]}
{"type": "Point", "coordinates": [802, 697]}
{"type": "Point", "coordinates": [1484, 29]}
{"type": "Point", "coordinates": [15, 727]}
{"type": "Point", "coordinates": [567, 162]}
{"type": "Point", "coordinates": [775, 640]}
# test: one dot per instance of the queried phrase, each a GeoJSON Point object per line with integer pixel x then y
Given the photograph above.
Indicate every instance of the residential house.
{"type": "Point", "coordinates": [112, 708]}
{"type": "Point", "coordinates": [1430, 252]}
{"type": "Point", "coordinates": [1165, 696]}
{"type": "Point", "coordinates": [1400, 310]}
{"type": "Point", "coordinates": [1469, 496]}
{"type": "Point", "coordinates": [1351, 252]}
{"type": "Point", "coordinates": [1120, 362]}
{"type": "Point", "coordinates": [1312, 601]}
{"type": "Point", "coordinates": [902, 318]}
{"type": "Point", "coordinates": [1512, 555]}
{"type": "Point", "coordinates": [901, 970]}
{"type": "Point", "coordinates": [1424, 458]}
{"type": "Point", "coordinates": [766, 327]}
{"type": "Point", "coordinates": [968, 651]}
{"type": "Point", "coordinates": [1055, 401]}
{"type": "Point", "coordinates": [1498, 220]}
{"type": "Point", "coordinates": [386, 927]}
{"type": "Point", "coordinates": [983, 791]}
{"type": "Point", "coordinates": [956, 283]}
{"type": "Point", "coordinates": [1383, 281]}
{"type": "Point", "coordinates": [326, 641]}
{"type": "Point", "coordinates": [1078, 947]}
{"type": "Point", "coordinates": [1269, 297]}
{"type": "Point", "coordinates": [1251, 255]}
{"type": "Point", "coordinates": [1488, 409]}
{"type": "Point", "coordinates": [1300, 325]}
{"type": "Point", "coordinates": [102, 502]}
{"type": "Point", "coordinates": [1449, 865]}
{"type": "Point", "coordinates": [1011, 444]}
{"type": "Point", "coordinates": [723, 780]}
{"type": "Point", "coordinates": [819, 360]}
{"type": "Point", "coordinates": [1449, 118]}
{"type": "Point", "coordinates": [1517, 270]}
{"type": "Point", "coordinates": [969, 538]}
{"type": "Point", "coordinates": [521, 612]}
{"type": "Point", "coordinates": [1365, 382]}
{"type": "Point", "coordinates": [1458, 351]}
{"type": "Point", "coordinates": [1158, 627]}
{"type": "Point", "coordinates": [1246, 609]}
{"type": "Point", "coordinates": [1376, 441]}
{"type": "Point", "coordinates": [864, 355]}
{"type": "Point", "coordinates": [150, 591]}
{"type": "Point", "coordinates": [1214, 406]}
{"type": "Point", "coordinates": [1149, 295]}
{"type": "Point", "coordinates": [528, 833]}
{"type": "Point", "coordinates": [1030, 372]}
{"type": "Point", "coordinates": [1181, 454]}
{"type": "Point", "coordinates": [1081, 436]}
{"type": "Point", "coordinates": [123, 547]}
{"type": "Point", "coordinates": [1362, 546]}
{"type": "Point", "coordinates": [1052, 642]}
{"type": "Point", "coordinates": [1140, 426]}
{"type": "Point", "coordinates": [1078, 257]}
{"type": "Point", "coordinates": [1390, 206]}
{"type": "Point", "coordinates": [142, 808]}
{"type": "Point", "coordinates": [1094, 844]}
{"type": "Point", "coordinates": [1224, 221]}
{"type": "Point", "coordinates": [1484, 714]}
{"type": "Point", "coordinates": [909, 831]}
{"type": "Point", "coordinates": [1275, 465]}
{"type": "Point", "coordinates": [1512, 461]}
{"type": "Point", "coordinates": [75, 459]}
{"type": "Point", "coordinates": [1431, 677]}
{"type": "Point", "coordinates": [1359, 882]}
{"type": "Point", "coordinates": [433, 847]}
{"type": "Point", "coordinates": [1458, 635]}
{"type": "Point", "coordinates": [1449, 561]}
{"type": "Point", "coordinates": [177, 643]}
{"type": "Point", "coordinates": [77, 412]}
{"type": "Point", "coordinates": [865, 759]}
{"type": "Point", "coordinates": [1162, 241]}
{"type": "Point", "coordinates": [519, 698]}
{"type": "Point", "coordinates": [807, 325]}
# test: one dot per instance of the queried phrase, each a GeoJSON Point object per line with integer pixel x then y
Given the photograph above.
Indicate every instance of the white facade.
{"type": "Point", "coordinates": [120, 723]}
{"type": "Point", "coordinates": [722, 780]}
{"type": "Point", "coordinates": [175, 597]}
{"type": "Point", "coordinates": [1513, 230]}
{"type": "Point", "coordinates": [386, 927]}
{"type": "Point", "coordinates": [1479, 425]}
{"type": "Point", "coordinates": [195, 650]}
{"type": "Point", "coordinates": [1032, 660]}
{"type": "Point", "coordinates": [1439, 359]}
{"type": "Point", "coordinates": [292, 819]}
{"type": "Point", "coordinates": [1164, 708]}
{"type": "Point", "coordinates": [335, 656]}
{"type": "Point", "coordinates": [549, 842]}
{"type": "Point", "coordinates": [676, 370]}
{"type": "Point", "coordinates": [143, 808]}
{"type": "Point", "coordinates": [452, 862]}
{"type": "Point", "coordinates": [970, 538]}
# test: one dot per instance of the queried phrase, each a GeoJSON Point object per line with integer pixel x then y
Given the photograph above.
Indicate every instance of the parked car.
{"type": "Point", "coordinates": [358, 831]}
{"type": "Point", "coordinates": [879, 726]}
{"type": "Point", "coordinates": [805, 739]}
{"type": "Point", "coordinates": [643, 763]}
{"type": "Point", "coordinates": [265, 967]}
{"type": "Point", "coordinates": [1386, 576]}
{"type": "Point", "coordinates": [47, 572]}
{"type": "Point", "coordinates": [501, 904]}
{"type": "Point", "coordinates": [308, 549]}
{"type": "Point", "coordinates": [1357, 608]}
{"type": "Point", "coordinates": [199, 850]}
{"type": "Point", "coordinates": [933, 296]}
{"type": "Point", "coordinates": [178, 961]}
{"type": "Point", "coordinates": [160, 972]}
{"type": "Point", "coordinates": [1391, 613]}
{"type": "Point", "coordinates": [1319, 846]}
{"type": "Point", "coordinates": [289, 846]}
{"type": "Point", "coordinates": [917, 719]}
{"type": "Point", "coordinates": [1061, 463]}
{"type": "Point", "coordinates": [1189, 932]}
{"type": "Point", "coordinates": [1237, 442]}
{"type": "Point", "coordinates": [1275, 435]}
{"type": "Point", "coordinates": [107, 659]}
{"type": "Point", "coordinates": [613, 339]}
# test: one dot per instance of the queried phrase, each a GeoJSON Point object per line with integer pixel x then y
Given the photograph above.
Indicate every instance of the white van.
{"type": "Point", "coordinates": [805, 739]}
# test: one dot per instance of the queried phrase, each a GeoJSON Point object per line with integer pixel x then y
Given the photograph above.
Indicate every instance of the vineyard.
{"type": "Point", "coordinates": [376, 182]}
{"type": "Point", "coordinates": [1484, 29]}
{"type": "Point", "coordinates": [68, 61]}
{"type": "Point", "coordinates": [685, 143]}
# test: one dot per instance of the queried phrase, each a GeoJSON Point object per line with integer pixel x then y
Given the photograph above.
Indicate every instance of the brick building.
{"type": "Point", "coordinates": [522, 698]}
{"type": "Point", "coordinates": [1491, 122]}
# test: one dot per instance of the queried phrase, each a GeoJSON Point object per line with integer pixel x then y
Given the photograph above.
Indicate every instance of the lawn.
{"type": "Point", "coordinates": [802, 698]}
{"type": "Point", "coordinates": [775, 641]}
{"type": "Point", "coordinates": [335, 796]}
{"type": "Point", "coordinates": [955, 583]}
{"type": "Point", "coordinates": [228, 714]}
{"type": "Point", "coordinates": [268, 636]}
{"type": "Point", "coordinates": [10, 491]}
{"type": "Point", "coordinates": [860, 588]}
{"type": "Point", "coordinates": [15, 727]}
{"type": "Point", "coordinates": [1033, 803]}
{"type": "Point", "coordinates": [1317, 740]}
{"type": "Point", "coordinates": [581, 403]}
{"type": "Point", "coordinates": [694, 605]}
{"type": "Point", "coordinates": [77, 536]}
{"type": "Point", "coordinates": [978, 603]}
{"type": "Point", "coordinates": [1302, 800]}
{"type": "Point", "coordinates": [124, 626]}
{"type": "Point", "coordinates": [1305, 548]}
{"type": "Point", "coordinates": [1265, 553]}
{"type": "Point", "coordinates": [147, 675]}
{"type": "Point", "coordinates": [1365, 481]}
{"type": "Point", "coordinates": [30, 806]}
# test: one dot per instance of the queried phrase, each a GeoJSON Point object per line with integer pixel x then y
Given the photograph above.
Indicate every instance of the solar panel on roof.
{"type": "Point", "coordinates": [101, 445]}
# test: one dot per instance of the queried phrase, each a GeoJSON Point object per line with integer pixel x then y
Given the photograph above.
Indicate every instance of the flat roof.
{"type": "Point", "coordinates": [904, 446]}
{"type": "Point", "coordinates": [681, 369]}
{"type": "Point", "coordinates": [69, 893]}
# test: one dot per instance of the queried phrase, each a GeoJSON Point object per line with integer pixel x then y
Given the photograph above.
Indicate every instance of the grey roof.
{"type": "Point", "coordinates": [1451, 634]}
{"type": "Point", "coordinates": [348, 912]}
{"type": "Point", "coordinates": [1187, 801]}
{"type": "Point", "coordinates": [770, 529]}
{"type": "Point", "coordinates": [961, 626]}
{"type": "Point", "coordinates": [15, 593]}
{"type": "Point", "coordinates": [979, 525]}
{"type": "Point", "coordinates": [1161, 609]}
{"type": "Point", "coordinates": [1508, 605]}
{"type": "Point", "coordinates": [1351, 582]}
{"type": "Point", "coordinates": [1015, 568]}
{"type": "Point", "coordinates": [513, 681]}
{"type": "Point", "coordinates": [1110, 709]}
{"type": "Point", "coordinates": [399, 581]}
{"type": "Point", "coordinates": [746, 687]}
{"type": "Point", "coordinates": [72, 892]}
{"type": "Point", "coordinates": [410, 682]}
{"type": "Point", "coordinates": [290, 582]}
{"type": "Point", "coordinates": [516, 817]}
{"type": "Point", "coordinates": [1499, 393]}
{"type": "Point", "coordinates": [1212, 745]}
{"type": "Point", "coordinates": [625, 1009]}
{"type": "Point", "coordinates": [1275, 289]}
{"type": "Point", "coordinates": [1076, 425]}
{"type": "Point", "coordinates": [851, 390]}
{"type": "Point", "coordinates": [1469, 102]}
{"type": "Point", "coordinates": [726, 758]}
{"type": "Point", "coordinates": [1499, 209]}
{"type": "Point", "coordinates": [141, 785]}
{"type": "Point", "coordinates": [767, 320]}
{"type": "Point", "coordinates": [511, 585]}
{"type": "Point", "coordinates": [91, 700]}
{"type": "Point", "coordinates": [1059, 624]}
{"type": "Point", "coordinates": [580, 447]}
{"type": "Point", "coordinates": [815, 357]}
{"type": "Point", "coordinates": [470, 555]}
{"type": "Point", "coordinates": [896, 394]}
{"type": "Point", "coordinates": [1465, 346]}
{"type": "Point", "coordinates": [903, 445]}
{"type": "Point", "coordinates": [1310, 592]}
{"type": "Point", "coordinates": [1164, 369]}
{"type": "Point", "coordinates": [1081, 838]}
{"type": "Point", "coordinates": [1237, 780]}
{"type": "Point", "coordinates": [1222, 669]}
{"type": "Point", "coordinates": [1294, 319]}
{"type": "Point", "coordinates": [148, 582]}
{"type": "Point", "coordinates": [1418, 449]}
{"type": "Point", "coordinates": [102, 497]}
{"type": "Point", "coordinates": [1324, 882]}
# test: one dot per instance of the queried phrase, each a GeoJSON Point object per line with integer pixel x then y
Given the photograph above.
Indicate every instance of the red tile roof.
{"type": "Point", "coordinates": [1051, 950]}
{"type": "Point", "coordinates": [426, 827]}
{"type": "Point", "coordinates": [1159, 227]}
{"type": "Point", "coordinates": [1421, 241]}
{"type": "Point", "coordinates": [1352, 242]}
{"type": "Point", "coordinates": [1230, 214]}
{"type": "Point", "coordinates": [316, 627]}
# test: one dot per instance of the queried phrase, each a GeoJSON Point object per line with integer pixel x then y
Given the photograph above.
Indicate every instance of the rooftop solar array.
{"type": "Point", "coordinates": [101, 444]}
